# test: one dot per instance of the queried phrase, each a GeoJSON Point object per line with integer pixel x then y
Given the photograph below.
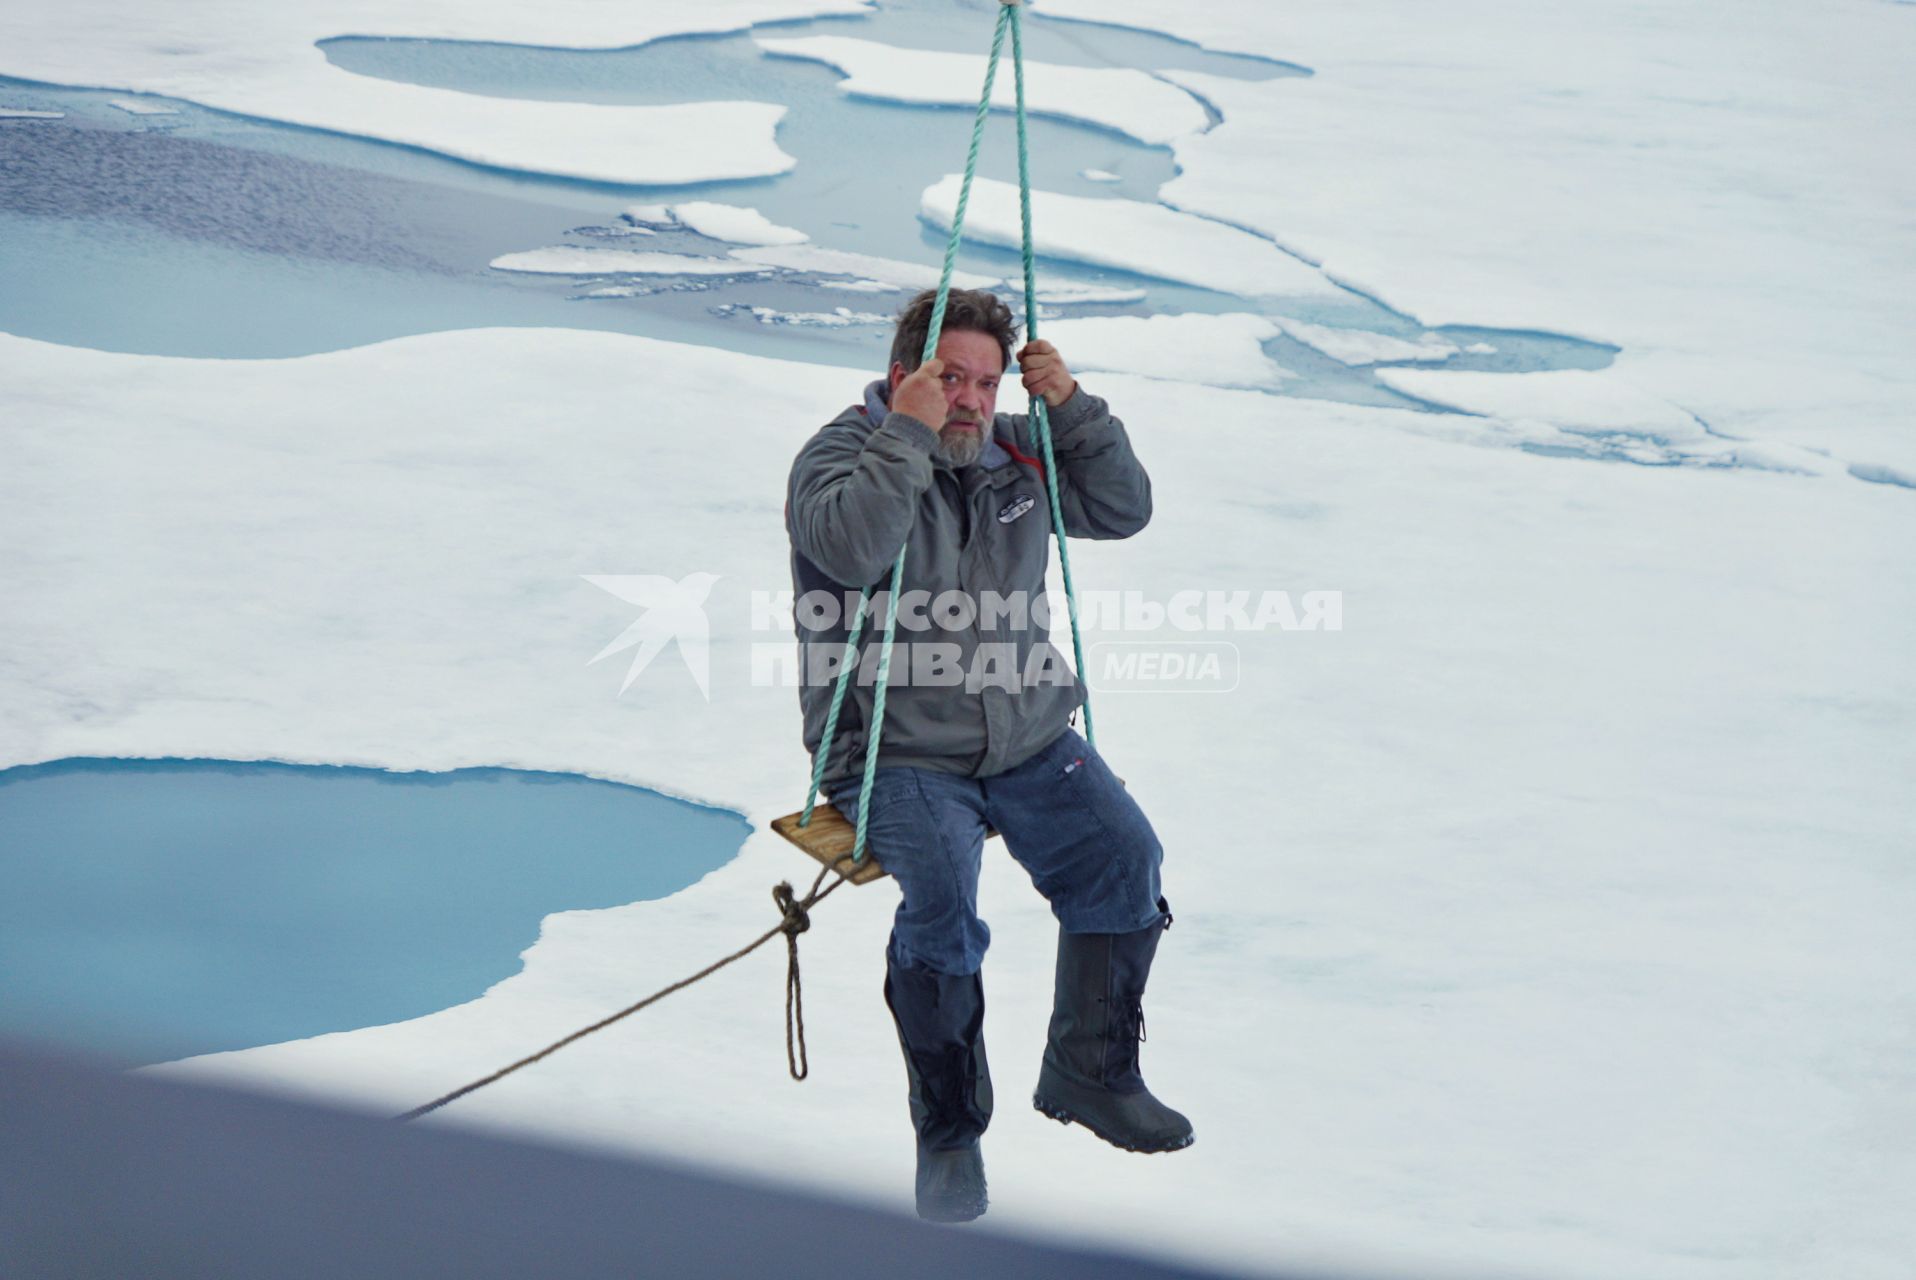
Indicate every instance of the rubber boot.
{"type": "Point", "coordinates": [941, 1022]}
{"type": "Point", "coordinates": [1090, 1073]}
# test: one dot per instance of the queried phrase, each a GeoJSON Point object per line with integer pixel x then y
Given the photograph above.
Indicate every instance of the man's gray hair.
{"type": "Point", "coordinates": [969, 309]}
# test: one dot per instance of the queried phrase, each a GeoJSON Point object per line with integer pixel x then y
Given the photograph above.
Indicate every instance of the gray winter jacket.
{"type": "Point", "coordinates": [867, 482]}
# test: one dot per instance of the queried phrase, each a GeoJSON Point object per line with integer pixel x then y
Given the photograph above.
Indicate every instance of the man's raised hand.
{"type": "Point", "coordinates": [922, 395]}
{"type": "Point", "coordinates": [1044, 374]}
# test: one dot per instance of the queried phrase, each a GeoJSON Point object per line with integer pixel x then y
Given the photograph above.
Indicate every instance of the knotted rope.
{"type": "Point", "coordinates": [795, 913]}
{"type": "Point", "coordinates": [797, 921]}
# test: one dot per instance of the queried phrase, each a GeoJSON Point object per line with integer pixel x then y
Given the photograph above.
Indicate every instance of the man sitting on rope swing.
{"type": "Point", "coordinates": [978, 718]}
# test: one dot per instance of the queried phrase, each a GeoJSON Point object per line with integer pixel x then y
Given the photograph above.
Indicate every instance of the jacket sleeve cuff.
{"type": "Point", "coordinates": [1074, 416]}
{"type": "Point", "coordinates": [910, 430]}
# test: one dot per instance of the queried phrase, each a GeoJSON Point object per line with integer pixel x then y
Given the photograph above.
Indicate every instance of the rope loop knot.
{"type": "Point", "coordinates": [797, 918]}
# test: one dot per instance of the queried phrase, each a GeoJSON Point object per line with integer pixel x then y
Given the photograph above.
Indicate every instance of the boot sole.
{"type": "Point", "coordinates": [951, 1217]}
{"type": "Point", "coordinates": [1065, 1116]}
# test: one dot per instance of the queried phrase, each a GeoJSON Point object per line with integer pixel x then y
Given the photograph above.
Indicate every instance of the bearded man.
{"type": "Point", "coordinates": [978, 721]}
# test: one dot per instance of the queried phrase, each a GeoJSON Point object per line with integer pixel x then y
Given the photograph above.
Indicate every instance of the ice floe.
{"type": "Point", "coordinates": [734, 224]}
{"type": "Point", "coordinates": [836, 318]}
{"type": "Point", "coordinates": [562, 260]}
{"type": "Point", "coordinates": [1218, 350]}
{"type": "Point", "coordinates": [1622, 420]}
{"type": "Point", "coordinates": [1130, 235]}
{"type": "Point", "coordinates": [1361, 346]}
{"type": "Point", "coordinates": [1643, 731]}
{"type": "Point", "coordinates": [25, 113]}
{"type": "Point", "coordinates": [1130, 101]}
{"type": "Point", "coordinates": [1067, 292]}
{"type": "Point", "coordinates": [263, 60]}
{"type": "Point", "coordinates": [1573, 399]}
{"type": "Point", "coordinates": [864, 267]}
{"type": "Point", "coordinates": [860, 286]}
{"type": "Point", "coordinates": [1553, 178]}
{"type": "Point", "coordinates": [1877, 473]}
{"type": "Point", "coordinates": [142, 107]}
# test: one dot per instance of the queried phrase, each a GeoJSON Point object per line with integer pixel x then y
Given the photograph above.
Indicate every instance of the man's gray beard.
{"type": "Point", "coordinates": [960, 448]}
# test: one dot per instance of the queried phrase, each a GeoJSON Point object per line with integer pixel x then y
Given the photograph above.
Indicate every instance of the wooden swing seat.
{"type": "Point", "coordinates": [829, 838]}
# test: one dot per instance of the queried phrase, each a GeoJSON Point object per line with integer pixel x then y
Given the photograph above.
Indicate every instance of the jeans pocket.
{"type": "Point", "coordinates": [886, 793]}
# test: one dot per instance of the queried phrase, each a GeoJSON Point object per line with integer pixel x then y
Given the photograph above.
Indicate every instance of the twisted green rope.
{"type": "Point", "coordinates": [1008, 18]}
{"type": "Point", "coordinates": [850, 663]}
{"type": "Point", "coordinates": [831, 719]}
{"type": "Point", "coordinates": [1040, 414]}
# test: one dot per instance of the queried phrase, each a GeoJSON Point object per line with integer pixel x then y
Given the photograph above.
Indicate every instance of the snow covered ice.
{"type": "Point", "coordinates": [1572, 399]}
{"type": "Point", "coordinates": [862, 267]}
{"type": "Point", "coordinates": [1223, 351]}
{"type": "Point", "coordinates": [1148, 239]}
{"type": "Point", "coordinates": [1358, 346]}
{"type": "Point", "coordinates": [261, 60]}
{"type": "Point", "coordinates": [1551, 917]}
{"type": "Point", "coordinates": [1133, 102]}
{"type": "Point", "coordinates": [584, 262]}
{"type": "Point", "coordinates": [738, 225]}
{"type": "Point", "coordinates": [836, 318]}
{"type": "Point", "coordinates": [142, 107]}
{"type": "Point", "coordinates": [1749, 262]}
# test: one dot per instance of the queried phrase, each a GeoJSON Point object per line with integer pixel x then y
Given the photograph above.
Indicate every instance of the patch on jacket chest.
{"type": "Point", "coordinates": [1016, 507]}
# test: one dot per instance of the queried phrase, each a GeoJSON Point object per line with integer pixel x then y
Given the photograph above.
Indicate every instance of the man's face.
{"type": "Point", "coordinates": [974, 364]}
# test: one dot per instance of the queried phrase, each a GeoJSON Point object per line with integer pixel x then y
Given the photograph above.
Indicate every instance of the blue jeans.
{"type": "Point", "coordinates": [1064, 816]}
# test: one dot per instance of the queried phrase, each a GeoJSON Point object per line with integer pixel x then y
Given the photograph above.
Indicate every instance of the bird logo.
{"type": "Point", "coordinates": [674, 611]}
